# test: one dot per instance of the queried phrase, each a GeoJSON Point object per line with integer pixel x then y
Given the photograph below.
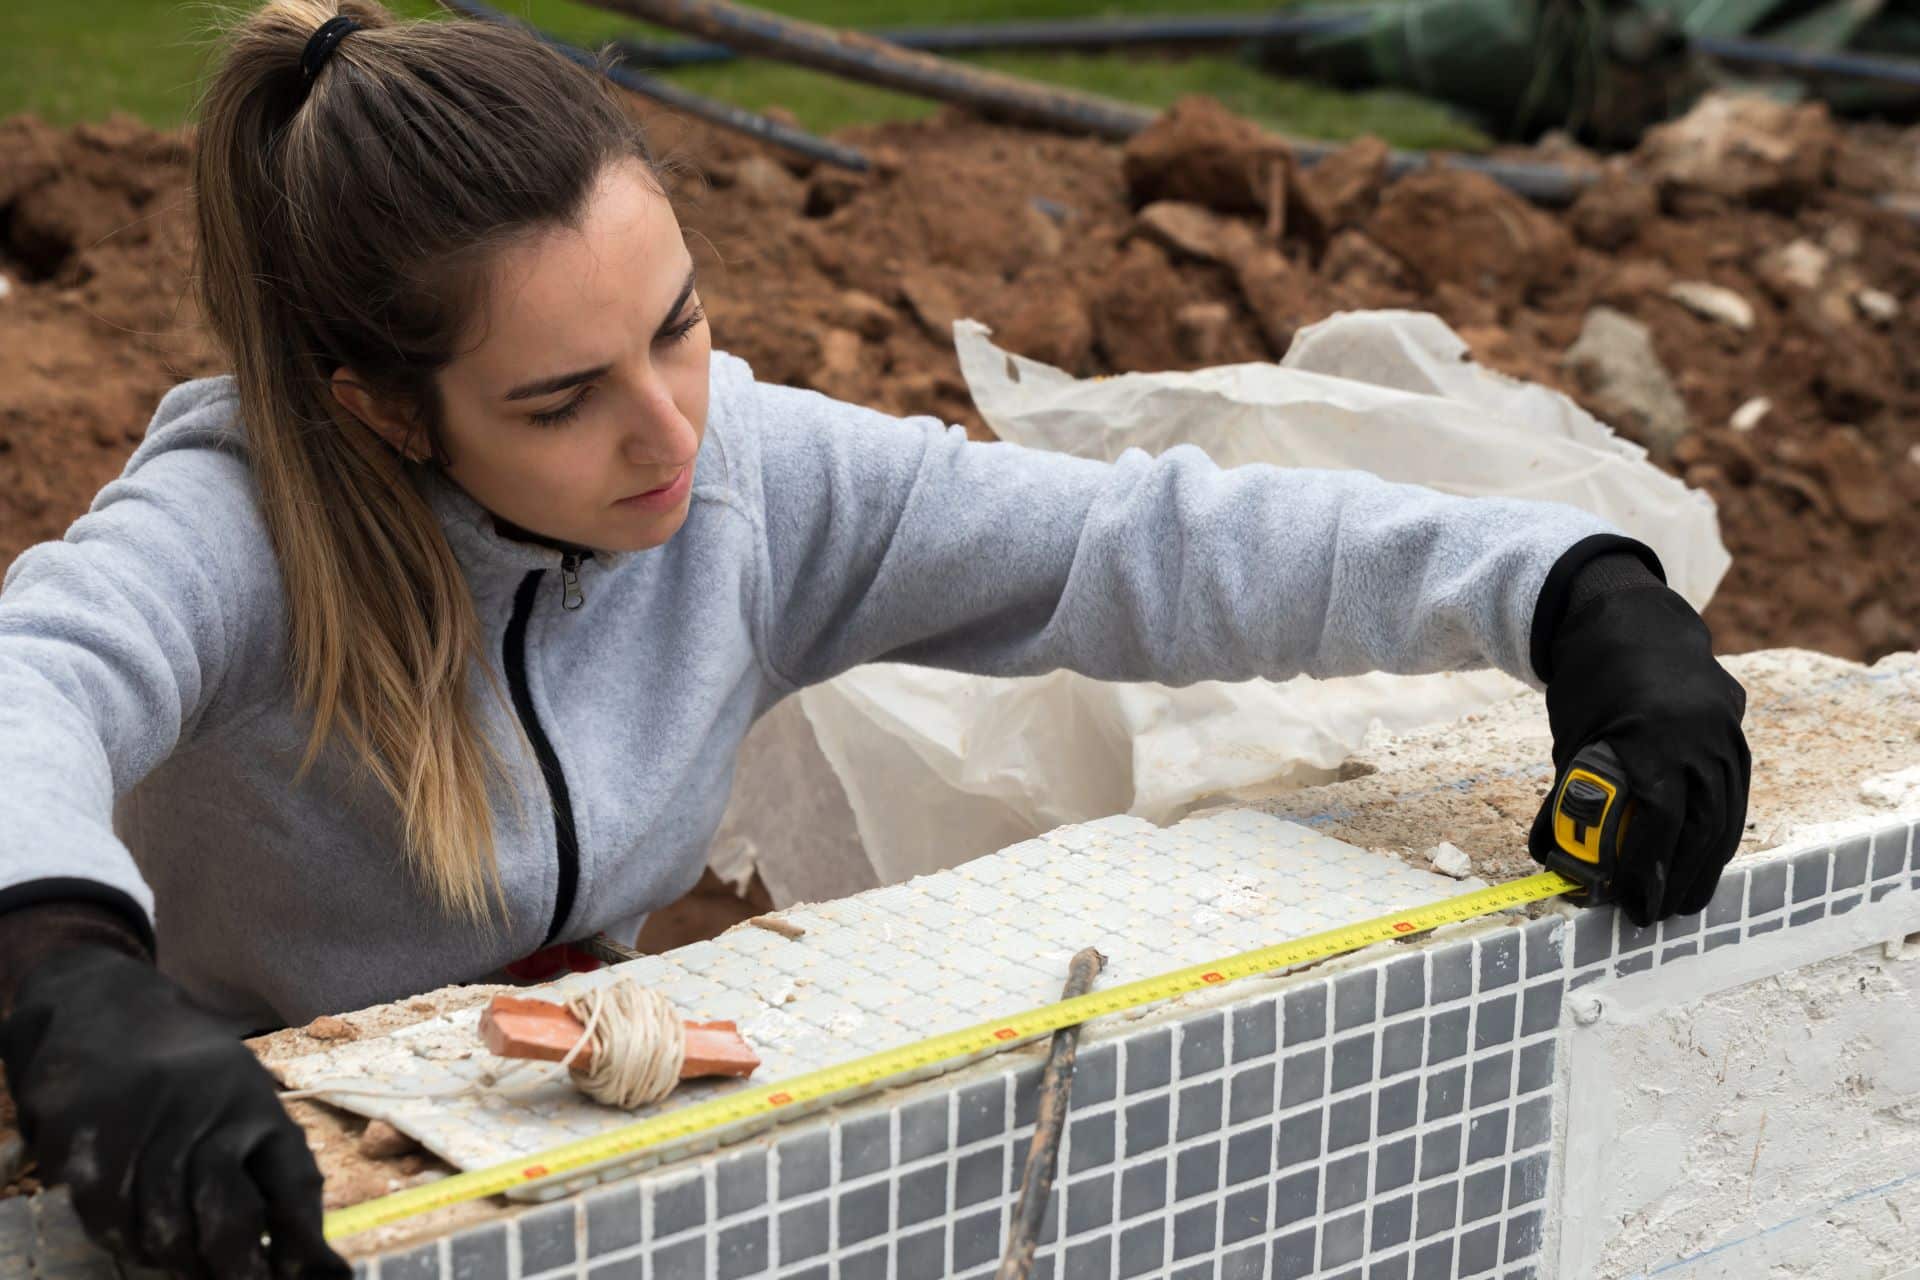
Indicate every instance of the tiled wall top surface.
{"type": "Point", "coordinates": [899, 964]}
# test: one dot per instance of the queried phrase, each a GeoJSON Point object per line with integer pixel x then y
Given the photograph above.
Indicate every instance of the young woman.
{"type": "Point", "coordinates": [426, 638]}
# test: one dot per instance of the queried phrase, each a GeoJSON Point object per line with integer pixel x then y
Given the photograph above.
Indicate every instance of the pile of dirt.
{"type": "Point", "coordinates": [1735, 296]}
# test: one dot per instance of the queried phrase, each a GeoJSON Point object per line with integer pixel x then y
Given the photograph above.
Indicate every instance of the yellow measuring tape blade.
{"type": "Point", "coordinates": [863, 1073]}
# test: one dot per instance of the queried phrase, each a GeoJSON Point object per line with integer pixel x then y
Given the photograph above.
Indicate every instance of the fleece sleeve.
{"type": "Point", "coordinates": [901, 540]}
{"type": "Point", "coordinates": [115, 642]}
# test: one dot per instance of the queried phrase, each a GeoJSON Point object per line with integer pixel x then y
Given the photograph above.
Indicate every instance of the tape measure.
{"type": "Point", "coordinates": [1591, 810]}
{"type": "Point", "coordinates": [862, 1075]}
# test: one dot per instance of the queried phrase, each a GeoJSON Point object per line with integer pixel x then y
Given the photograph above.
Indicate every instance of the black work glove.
{"type": "Point", "coordinates": [1628, 662]}
{"type": "Point", "coordinates": [163, 1125]}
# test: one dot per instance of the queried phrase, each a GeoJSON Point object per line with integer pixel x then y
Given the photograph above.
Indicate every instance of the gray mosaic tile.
{"type": "Point", "coordinates": [1729, 899]}
{"type": "Point", "coordinates": [805, 1163]}
{"type": "Point", "coordinates": [1090, 1203]}
{"type": "Point", "coordinates": [1679, 951]}
{"type": "Point", "coordinates": [868, 1264]}
{"type": "Point", "coordinates": [1536, 1067]}
{"type": "Point", "coordinates": [1446, 1092]}
{"type": "Point", "coordinates": [740, 1183]}
{"type": "Point", "coordinates": [1352, 1062]}
{"type": "Point", "coordinates": [979, 1175]}
{"type": "Point", "coordinates": [1194, 1231]}
{"type": "Point", "coordinates": [1434, 1209]}
{"type": "Point", "coordinates": [1479, 1251]}
{"type": "Point", "coordinates": [1355, 998]}
{"type": "Point", "coordinates": [1303, 1077]}
{"type": "Point", "coordinates": [1393, 1166]}
{"type": "Point", "coordinates": [1196, 1171]}
{"type": "Point", "coordinates": [613, 1216]}
{"type": "Point", "coordinates": [1296, 1198]}
{"type": "Point", "coordinates": [1499, 960]}
{"type": "Point", "coordinates": [1843, 905]}
{"type": "Point", "coordinates": [923, 1253]}
{"type": "Point", "coordinates": [1634, 938]}
{"type": "Point", "coordinates": [1765, 926]}
{"type": "Point", "coordinates": [1593, 936]}
{"type": "Point", "coordinates": [863, 1214]}
{"type": "Point", "coordinates": [1149, 1124]}
{"type": "Point", "coordinates": [1255, 1030]}
{"type": "Point", "coordinates": [1143, 1188]}
{"type": "Point", "coordinates": [1293, 1255]}
{"type": "Point", "coordinates": [921, 1195]}
{"type": "Point", "coordinates": [1524, 1234]}
{"type": "Point", "coordinates": [1727, 937]}
{"type": "Point", "coordinates": [547, 1238]}
{"type": "Point", "coordinates": [1808, 914]}
{"type": "Point", "coordinates": [1401, 1045]}
{"type": "Point", "coordinates": [1487, 1135]}
{"type": "Point", "coordinates": [1090, 1259]}
{"type": "Point", "coordinates": [415, 1264]}
{"type": "Point", "coordinates": [1544, 943]}
{"type": "Point", "coordinates": [741, 1249]}
{"type": "Point", "coordinates": [1345, 1182]}
{"type": "Point", "coordinates": [1397, 1267]}
{"type": "Point", "coordinates": [923, 1129]}
{"type": "Point", "coordinates": [1199, 1109]}
{"type": "Point", "coordinates": [677, 1206]}
{"type": "Point", "coordinates": [1809, 874]}
{"type": "Point", "coordinates": [1540, 1007]}
{"type": "Point", "coordinates": [479, 1254]}
{"type": "Point", "coordinates": [1349, 1123]}
{"type": "Point", "coordinates": [686, 1260]}
{"type": "Point", "coordinates": [1251, 1094]}
{"type": "Point", "coordinates": [1243, 1215]}
{"type": "Point", "coordinates": [1343, 1239]}
{"type": "Point", "coordinates": [620, 1269]}
{"type": "Point", "coordinates": [1090, 1141]}
{"type": "Point", "coordinates": [1528, 1180]}
{"type": "Point", "coordinates": [1203, 1044]}
{"type": "Point", "coordinates": [1398, 1108]}
{"type": "Point", "coordinates": [1304, 1015]}
{"type": "Point", "coordinates": [1439, 1151]}
{"type": "Point", "coordinates": [1096, 1077]}
{"type": "Point", "coordinates": [1149, 1059]}
{"type": "Point", "coordinates": [1483, 1194]}
{"type": "Point", "coordinates": [1026, 1096]}
{"type": "Point", "coordinates": [1766, 888]}
{"type": "Point", "coordinates": [1451, 970]}
{"type": "Point", "coordinates": [1680, 927]}
{"type": "Point", "coordinates": [1639, 963]}
{"type": "Point", "coordinates": [1447, 1035]}
{"type": "Point", "coordinates": [1492, 1078]}
{"type": "Point", "coordinates": [982, 1114]}
{"type": "Point", "coordinates": [1406, 986]}
{"type": "Point", "coordinates": [1143, 1249]}
{"type": "Point", "coordinates": [1250, 1154]}
{"type": "Point", "coordinates": [1392, 1222]}
{"type": "Point", "coordinates": [1249, 1263]}
{"type": "Point", "coordinates": [1889, 852]}
{"type": "Point", "coordinates": [1493, 1021]}
{"type": "Point", "coordinates": [805, 1231]}
{"type": "Point", "coordinates": [1434, 1261]}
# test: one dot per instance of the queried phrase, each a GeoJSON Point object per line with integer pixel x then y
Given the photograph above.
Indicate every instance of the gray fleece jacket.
{"type": "Point", "coordinates": [148, 735]}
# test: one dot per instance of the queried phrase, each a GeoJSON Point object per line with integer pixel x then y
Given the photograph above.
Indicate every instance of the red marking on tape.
{"type": "Point", "coordinates": [1212, 977]}
{"type": "Point", "coordinates": [779, 1099]}
{"type": "Point", "coordinates": [534, 1171]}
{"type": "Point", "coordinates": [1004, 1033]}
{"type": "Point", "coordinates": [1403, 926]}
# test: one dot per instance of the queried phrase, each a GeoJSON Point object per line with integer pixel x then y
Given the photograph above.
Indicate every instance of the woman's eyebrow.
{"type": "Point", "coordinates": [561, 381]}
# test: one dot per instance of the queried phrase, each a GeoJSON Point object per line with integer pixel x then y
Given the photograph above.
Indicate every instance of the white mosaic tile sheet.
{"type": "Point", "coordinates": [896, 965]}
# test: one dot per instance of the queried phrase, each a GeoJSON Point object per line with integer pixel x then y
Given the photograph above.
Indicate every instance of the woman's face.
{"type": "Point", "coordinates": [579, 413]}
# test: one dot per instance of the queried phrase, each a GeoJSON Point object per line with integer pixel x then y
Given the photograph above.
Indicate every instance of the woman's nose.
{"type": "Point", "coordinates": [660, 433]}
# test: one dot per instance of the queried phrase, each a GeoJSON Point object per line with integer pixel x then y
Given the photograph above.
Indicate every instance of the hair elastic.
{"type": "Point", "coordinates": [323, 42]}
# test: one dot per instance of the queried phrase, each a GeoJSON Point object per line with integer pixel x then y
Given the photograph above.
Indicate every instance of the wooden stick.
{"type": "Point", "coordinates": [515, 1027]}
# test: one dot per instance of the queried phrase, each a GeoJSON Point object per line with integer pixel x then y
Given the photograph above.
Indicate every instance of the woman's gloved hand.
{"type": "Point", "coordinates": [163, 1125]}
{"type": "Point", "coordinates": [1628, 662]}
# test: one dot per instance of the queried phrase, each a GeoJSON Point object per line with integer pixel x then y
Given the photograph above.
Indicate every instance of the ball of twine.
{"type": "Point", "coordinates": [639, 1044]}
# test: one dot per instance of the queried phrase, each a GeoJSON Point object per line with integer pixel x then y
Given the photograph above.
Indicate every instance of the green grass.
{"type": "Point", "coordinates": [66, 61]}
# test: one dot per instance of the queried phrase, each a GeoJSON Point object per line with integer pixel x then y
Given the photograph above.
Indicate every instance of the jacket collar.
{"type": "Point", "coordinates": [486, 545]}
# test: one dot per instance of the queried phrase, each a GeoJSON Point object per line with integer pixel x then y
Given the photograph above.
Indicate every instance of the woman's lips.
{"type": "Point", "coordinates": [666, 496]}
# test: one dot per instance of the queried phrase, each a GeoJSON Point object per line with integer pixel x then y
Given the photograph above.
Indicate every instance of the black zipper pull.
{"type": "Point", "coordinates": [571, 597]}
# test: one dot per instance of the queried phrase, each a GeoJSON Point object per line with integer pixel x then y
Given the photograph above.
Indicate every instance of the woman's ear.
{"type": "Point", "coordinates": [381, 418]}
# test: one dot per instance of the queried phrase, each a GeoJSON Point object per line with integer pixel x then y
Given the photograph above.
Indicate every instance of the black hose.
{"type": "Point", "coordinates": [1809, 64]}
{"type": "Point", "coordinates": [751, 123]}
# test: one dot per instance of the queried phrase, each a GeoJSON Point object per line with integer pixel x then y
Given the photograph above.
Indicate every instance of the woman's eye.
{"type": "Point", "coordinates": [554, 417]}
{"type": "Point", "coordinates": [682, 331]}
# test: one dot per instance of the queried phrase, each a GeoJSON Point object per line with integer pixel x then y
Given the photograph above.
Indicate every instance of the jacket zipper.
{"type": "Point", "coordinates": [514, 658]}
{"type": "Point", "coordinates": [571, 596]}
